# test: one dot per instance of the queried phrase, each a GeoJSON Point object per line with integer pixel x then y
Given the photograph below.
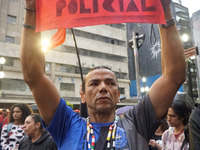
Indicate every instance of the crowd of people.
{"type": "Point", "coordinates": [22, 130]}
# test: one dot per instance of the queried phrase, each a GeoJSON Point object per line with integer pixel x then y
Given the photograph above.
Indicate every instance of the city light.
{"type": "Point", "coordinates": [45, 45]}
{"type": "Point", "coordinates": [146, 89]}
{"type": "Point", "coordinates": [185, 37]}
{"type": "Point", "coordinates": [2, 60]}
{"type": "Point", "coordinates": [192, 57]}
{"type": "Point", "coordinates": [2, 74]}
{"type": "Point", "coordinates": [142, 89]}
{"type": "Point", "coordinates": [144, 79]}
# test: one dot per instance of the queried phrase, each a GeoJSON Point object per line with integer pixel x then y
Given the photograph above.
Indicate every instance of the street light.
{"type": "Point", "coordinates": [145, 88]}
{"type": "Point", "coordinates": [2, 61]}
{"type": "Point", "coordinates": [135, 43]}
{"type": "Point", "coordinates": [189, 86]}
{"type": "Point", "coordinates": [185, 37]}
{"type": "Point", "coordinates": [144, 79]}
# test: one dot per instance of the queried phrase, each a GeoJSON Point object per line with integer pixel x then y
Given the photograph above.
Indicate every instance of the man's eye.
{"type": "Point", "coordinates": [112, 83]}
{"type": "Point", "coordinates": [94, 84]}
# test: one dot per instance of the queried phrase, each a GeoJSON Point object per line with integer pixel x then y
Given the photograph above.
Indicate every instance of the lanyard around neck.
{"type": "Point", "coordinates": [111, 132]}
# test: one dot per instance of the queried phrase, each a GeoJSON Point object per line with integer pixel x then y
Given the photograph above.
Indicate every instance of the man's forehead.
{"type": "Point", "coordinates": [98, 73]}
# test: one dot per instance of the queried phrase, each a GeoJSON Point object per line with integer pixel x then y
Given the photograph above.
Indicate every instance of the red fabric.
{"type": "Point", "coordinates": [55, 14]}
{"type": "Point", "coordinates": [177, 135]}
{"type": "Point", "coordinates": [57, 39]}
{"type": "Point", "coordinates": [5, 121]}
{"type": "Point", "coordinates": [62, 14]}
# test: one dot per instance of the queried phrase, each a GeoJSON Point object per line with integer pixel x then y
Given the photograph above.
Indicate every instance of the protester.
{"type": "Point", "coordinates": [3, 121]}
{"type": "Point", "coordinates": [3, 117]}
{"type": "Point", "coordinates": [38, 138]}
{"type": "Point", "coordinates": [155, 142]}
{"type": "Point", "coordinates": [194, 129]}
{"type": "Point", "coordinates": [100, 93]}
{"type": "Point", "coordinates": [177, 116]}
{"type": "Point", "coordinates": [13, 133]}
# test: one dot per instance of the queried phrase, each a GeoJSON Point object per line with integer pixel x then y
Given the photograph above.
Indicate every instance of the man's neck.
{"type": "Point", "coordinates": [102, 118]}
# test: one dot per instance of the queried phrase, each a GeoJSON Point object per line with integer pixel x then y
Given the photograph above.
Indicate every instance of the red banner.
{"type": "Point", "coordinates": [55, 14]}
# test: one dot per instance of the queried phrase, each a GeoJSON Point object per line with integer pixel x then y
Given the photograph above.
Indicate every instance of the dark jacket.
{"type": "Point", "coordinates": [45, 142]}
{"type": "Point", "coordinates": [194, 129]}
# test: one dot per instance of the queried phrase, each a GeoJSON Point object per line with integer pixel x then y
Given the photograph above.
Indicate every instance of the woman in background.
{"type": "Point", "coordinates": [38, 138]}
{"type": "Point", "coordinates": [13, 133]}
{"type": "Point", "coordinates": [177, 116]}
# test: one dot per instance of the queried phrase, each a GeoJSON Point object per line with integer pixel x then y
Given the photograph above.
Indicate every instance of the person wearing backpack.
{"type": "Point", "coordinates": [178, 115]}
{"type": "Point", "coordinates": [13, 133]}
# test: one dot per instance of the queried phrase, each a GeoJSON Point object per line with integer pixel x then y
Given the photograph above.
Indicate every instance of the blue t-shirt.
{"type": "Point", "coordinates": [69, 130]}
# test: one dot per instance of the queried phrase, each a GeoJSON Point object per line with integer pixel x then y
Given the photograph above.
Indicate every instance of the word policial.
{"type": "Point", "coordinates": [79, 6]}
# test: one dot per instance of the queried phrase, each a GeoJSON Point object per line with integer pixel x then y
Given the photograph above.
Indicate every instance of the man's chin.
{"type": "Point", "coordinates": [105, 109]}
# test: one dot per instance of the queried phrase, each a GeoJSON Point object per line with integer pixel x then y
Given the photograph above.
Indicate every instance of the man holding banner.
{"type": "Point", "coordinates": [103, 129]}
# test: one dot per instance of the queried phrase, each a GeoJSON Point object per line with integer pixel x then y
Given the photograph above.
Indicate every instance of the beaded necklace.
{"type": "Point", "coordinates": [111, 131]}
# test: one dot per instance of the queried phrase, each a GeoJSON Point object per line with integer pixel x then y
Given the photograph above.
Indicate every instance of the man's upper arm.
{"type": "Point", "coordinates": [162, 94]}
{"type": "Point", "coordinates": [46, 96]}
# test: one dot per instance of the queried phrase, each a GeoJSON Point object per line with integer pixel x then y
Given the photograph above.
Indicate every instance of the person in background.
{"type": "Point", "coordinates": [13, 133]}
{"type": "Point", "coordinates": [194, 129]}
{"type": "Point", "coordinates": [155, 142]}
{"type": "Point", "coordinates": [3, 121]}
{"type": "Point", "coordinates": [177, 116]}
{"type": "Point", "coordinates": [37, 137]}
{"type": "Point", "coordinates": [3, 117]}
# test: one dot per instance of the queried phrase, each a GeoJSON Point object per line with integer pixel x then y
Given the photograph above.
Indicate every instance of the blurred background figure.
{"type": "Point", "coordinates": [194, 128]}
{"type": "Point", "coordinates": [3, 120]}
{"type": "Point", "coordinates": [38, 138]}
{"type": "Point", "coordinates": [177, 116]}
{"type": "Point", "coordinates": [12, 133]}
{"type": "Point", "coordinates": [155, 142]}
{"type": "Point", "coordinates": [3, 117]}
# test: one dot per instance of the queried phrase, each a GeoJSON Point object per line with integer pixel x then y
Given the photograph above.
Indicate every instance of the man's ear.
{"type": "Point", "coordinates": [82, 97]}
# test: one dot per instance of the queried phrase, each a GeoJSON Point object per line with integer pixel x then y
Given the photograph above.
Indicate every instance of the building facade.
{"type": "Point", "coordinates": [98, 45]}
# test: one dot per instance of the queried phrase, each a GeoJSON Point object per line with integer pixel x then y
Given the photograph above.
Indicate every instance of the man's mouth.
{"type": "Point", "coordinates": [105, 98]}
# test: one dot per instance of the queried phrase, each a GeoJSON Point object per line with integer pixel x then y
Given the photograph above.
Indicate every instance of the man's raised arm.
{"type": "Point", "coordinates": [33, 66]}
{"type": "Point", "coordinates": [164, 89]}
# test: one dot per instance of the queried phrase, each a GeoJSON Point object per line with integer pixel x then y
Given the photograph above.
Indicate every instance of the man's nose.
{"type": "Point", "coordinates": [102, 87]}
